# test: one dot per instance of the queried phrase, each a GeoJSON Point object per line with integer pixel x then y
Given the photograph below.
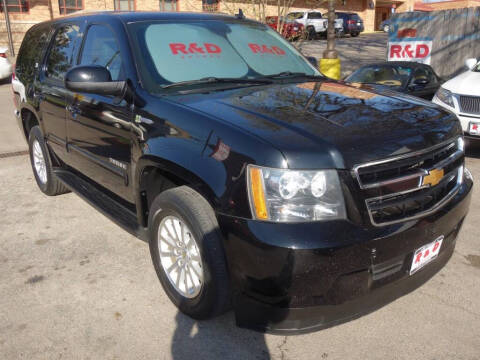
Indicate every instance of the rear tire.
{"type": "Point", "coordinates": [354, 34]}
{"type": "Point", "coordinates": [311, 34]}
{"type": "Point", "coordinates": [184, 216]}
{"type": "Point", "coordinates": [42, 164]}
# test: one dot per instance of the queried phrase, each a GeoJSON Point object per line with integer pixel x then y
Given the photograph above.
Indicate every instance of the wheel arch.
{"type": "Point", "coordinates": [29, 120]}
{"type": "Point", "coordinates": [154, 175]}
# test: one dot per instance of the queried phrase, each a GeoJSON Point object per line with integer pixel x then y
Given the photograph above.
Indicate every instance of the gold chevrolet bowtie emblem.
{"type": "Point", "coordinates": [433, 178]}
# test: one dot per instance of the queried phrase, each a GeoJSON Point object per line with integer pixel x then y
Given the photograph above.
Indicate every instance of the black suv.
{"type": "Point", "coordinates": [258, 183]}
{"type": "Point", "coordinates": [352, 23]}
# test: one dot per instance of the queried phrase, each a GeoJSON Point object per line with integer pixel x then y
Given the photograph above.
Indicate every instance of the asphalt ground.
{"type": "Point", "coordinates": [73, 285]}
{"type": "Point", "coordinates": [353, 52]}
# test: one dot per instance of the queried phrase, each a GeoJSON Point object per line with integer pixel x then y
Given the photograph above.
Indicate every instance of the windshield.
{"type": "Point", "coordinates": [397, 76]}
{"type": "Point", "coordinates": [177, 52]}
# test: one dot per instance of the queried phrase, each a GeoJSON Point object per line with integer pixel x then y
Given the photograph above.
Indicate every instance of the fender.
{"type": "Point", "coordinates": [219, 178]}
{"type": "Point", "coordinates": [215, 152]}
{"type": "Point", "coordinates": [169, 167]}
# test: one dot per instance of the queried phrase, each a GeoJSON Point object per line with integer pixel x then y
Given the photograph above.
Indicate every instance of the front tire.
{"type": "Point", "coordinates": [187, 252]}
{"type": "Point", "coordinates": [42, 165]}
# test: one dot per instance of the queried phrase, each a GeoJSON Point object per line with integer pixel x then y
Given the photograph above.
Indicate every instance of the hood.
{"type": "Point", "coordinates": [464, 84]}
{"type": "Point", "coordinates": [329, 124]}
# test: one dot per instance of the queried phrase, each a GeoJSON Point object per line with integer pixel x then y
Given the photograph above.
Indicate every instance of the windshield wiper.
{"type": "Point", "coordinates": [288, 74]}
{"type": "Point", "coordinates": [213, 80]}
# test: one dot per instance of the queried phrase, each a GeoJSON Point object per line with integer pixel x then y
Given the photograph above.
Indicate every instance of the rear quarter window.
{"type": "Point", "coordinates": [31, 52]}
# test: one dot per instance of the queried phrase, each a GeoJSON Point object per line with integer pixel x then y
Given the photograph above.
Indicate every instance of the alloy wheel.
{"type": "Point", "coordinates": [39, 162]}
{"type": "Point", "coordinates": [180, 256]}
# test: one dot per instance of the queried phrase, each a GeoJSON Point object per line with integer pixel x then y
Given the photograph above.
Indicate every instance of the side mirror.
{"type": "Point", "coordinates": [470, 63]}
{"type": "Point", "coordinates": [94, 80]}
{"type": "Point", "coordinates": [421, 81]}
{"type": "Point", "coordinates": [313, 60]}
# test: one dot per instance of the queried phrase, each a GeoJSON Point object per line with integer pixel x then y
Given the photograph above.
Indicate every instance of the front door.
{"type": "Point", "coordinates": [98, 127]}
{"type": "Point", "coordinates": [51, 87]}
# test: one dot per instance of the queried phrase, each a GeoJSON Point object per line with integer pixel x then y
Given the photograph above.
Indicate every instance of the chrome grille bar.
{"type": "Point", "coordinates": [388, 205]}
{"type": "Point", "coordinates": [470, 104]}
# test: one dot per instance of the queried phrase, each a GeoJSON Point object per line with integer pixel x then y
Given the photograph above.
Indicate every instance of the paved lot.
{"type": "Point", "coordinates": [75, 286]}
{"type": "Point", "coordinates": [354, 52]}
{"type": "Point", "coordinates": [10, 136]}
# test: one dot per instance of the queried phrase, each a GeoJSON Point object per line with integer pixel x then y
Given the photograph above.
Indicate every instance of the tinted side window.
{"type": "Point", "coordinates": [61, 53]}
{"type": "Point", "coordinates": [30, 54]}
{"type": "Point", "coordinates": [101, 48]}
{"type": "Point", "coordinates": [315, 15]}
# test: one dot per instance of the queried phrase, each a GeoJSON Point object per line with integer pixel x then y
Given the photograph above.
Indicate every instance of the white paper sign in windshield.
{"type": "Point", "coordinates": [189, 52]}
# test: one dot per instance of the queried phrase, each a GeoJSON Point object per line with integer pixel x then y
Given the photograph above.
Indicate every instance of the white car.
{"type": "Point", "coordinates": [5, 65]}
{"type": "Point", "coordinates": [314, 22]}
{"type": "Point", "coordinates": [461, 95]}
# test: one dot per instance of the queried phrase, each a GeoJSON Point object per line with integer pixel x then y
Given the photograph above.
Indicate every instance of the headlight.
{"type": "Point", "coordinates": [445, 96]}
{"type": "Point", "coordinates": [284, 195]}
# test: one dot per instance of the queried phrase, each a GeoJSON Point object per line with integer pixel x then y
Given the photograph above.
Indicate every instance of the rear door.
{"type": "Point", "coordinates": [50, 90]}
{"type": "Point", "coordinates": [99, 126]}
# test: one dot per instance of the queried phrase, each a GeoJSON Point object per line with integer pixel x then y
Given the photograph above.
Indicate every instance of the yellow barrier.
{"type": "Point", "coordinates": [330, 68]}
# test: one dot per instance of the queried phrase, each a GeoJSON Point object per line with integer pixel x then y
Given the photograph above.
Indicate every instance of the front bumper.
{"type": "Point", "coordinates": [465, 119]}
{"type": "Point", "coordinates": [291, 278]}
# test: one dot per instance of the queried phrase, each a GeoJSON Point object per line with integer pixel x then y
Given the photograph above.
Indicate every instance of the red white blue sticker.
{"type": "Point", "coordinates": [425, 254]}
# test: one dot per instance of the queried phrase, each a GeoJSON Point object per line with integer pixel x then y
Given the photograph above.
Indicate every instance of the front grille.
{"type": "Point", "coordinates": [413, 185]}
{"type": "Point", "coordinates": [387, 172]}
{"type": "Point", "coordinates": [470, 104]}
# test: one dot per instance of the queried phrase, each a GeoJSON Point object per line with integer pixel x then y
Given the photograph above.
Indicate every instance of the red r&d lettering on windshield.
{"type": "Point", "coordinates": [194, 48]}
{"type": "Point", "coordinates": [265, 49]}
{"type": "Point", "coordinates": [178, 47]}
{"type": "Point", "coordinates": [212, 48]}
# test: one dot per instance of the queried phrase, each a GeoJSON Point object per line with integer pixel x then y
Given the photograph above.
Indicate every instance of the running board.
{"type": "Point", "coordinates": [112, 209]}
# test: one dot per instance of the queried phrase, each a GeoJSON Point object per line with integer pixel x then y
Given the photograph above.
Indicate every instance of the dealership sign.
{"type": "Point", "coordinates": [417, 51]}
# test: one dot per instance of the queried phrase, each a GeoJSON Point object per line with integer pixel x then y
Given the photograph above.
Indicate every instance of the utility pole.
{"type": "Point", "coordinates": [9, 30]}
{"type": "Point", "coordinates": [330, 63]}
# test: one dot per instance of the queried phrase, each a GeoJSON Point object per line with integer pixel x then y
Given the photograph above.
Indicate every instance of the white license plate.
{"type": "Point", "coordinates": [474, 128]}
{"type": "Point", "coordinates": [425, 254]}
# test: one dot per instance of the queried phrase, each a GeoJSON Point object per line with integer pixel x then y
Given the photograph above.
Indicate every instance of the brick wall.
{"type": "Point", "coordinates": [447, 5]}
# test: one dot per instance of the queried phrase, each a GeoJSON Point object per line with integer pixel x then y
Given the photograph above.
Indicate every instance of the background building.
{"type": "Point", "coordinates": [25, 13]}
